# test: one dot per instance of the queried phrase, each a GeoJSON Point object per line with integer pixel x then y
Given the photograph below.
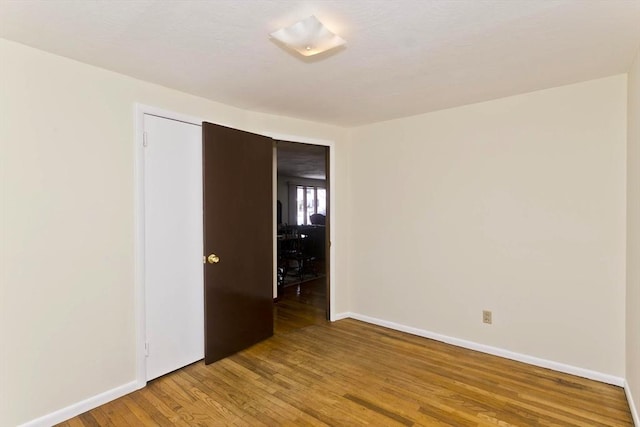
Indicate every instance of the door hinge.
{"type": "Point", "coordinates": [144, 139]}
{"type": "Point", "coordinates": [146, 349]}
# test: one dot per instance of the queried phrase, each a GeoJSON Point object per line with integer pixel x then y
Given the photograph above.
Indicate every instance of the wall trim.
{"type": "Point", "coordinates": [109, 395]}
{"type": "Point", "coordinates": [496, 351]}
{"type": "Point", "coordinates": [83, 406]}
{"type": "Point", "coordinates": [632, 405]}
{"type": "Point", "coordinates": [340, 316]}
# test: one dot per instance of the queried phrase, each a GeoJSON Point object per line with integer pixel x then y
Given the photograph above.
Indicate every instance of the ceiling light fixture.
{"type": "Point", "coordinates": [308, 37]}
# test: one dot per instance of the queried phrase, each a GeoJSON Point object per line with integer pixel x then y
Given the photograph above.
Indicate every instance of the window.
{"type": "Point", "coordinates": [309, 201]}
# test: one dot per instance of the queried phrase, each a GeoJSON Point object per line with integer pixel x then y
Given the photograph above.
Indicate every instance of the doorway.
{"type": "Point", "coordinates": [303, 223]}
{"type": "Point", "coordinates": [140, 221]}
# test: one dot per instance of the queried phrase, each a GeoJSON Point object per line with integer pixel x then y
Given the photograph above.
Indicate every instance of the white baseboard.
{"type": "Point", "coordinates": [340, 316]}
{"type": "Point", "coordinates": [102, 398]}
{"type": "Point", "coordinates": [632, 405]}
{"type": "Point", "coordinates": [543, 363]}
{"type": "Point", "coordinates": [83, 406]}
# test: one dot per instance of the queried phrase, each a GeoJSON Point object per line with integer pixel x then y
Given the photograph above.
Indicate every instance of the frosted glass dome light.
{"type": "Point", "coordinates": [308, 37]}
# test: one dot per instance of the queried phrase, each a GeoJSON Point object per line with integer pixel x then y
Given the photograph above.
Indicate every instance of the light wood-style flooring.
{"type": "Point", "coordinates": [351, 373]}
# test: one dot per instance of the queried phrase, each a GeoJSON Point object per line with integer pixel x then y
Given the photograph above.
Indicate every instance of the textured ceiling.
{"type": "Point", "coordinates": [301, 160]}
{"type": "Point", "coordinates": [402, 57]}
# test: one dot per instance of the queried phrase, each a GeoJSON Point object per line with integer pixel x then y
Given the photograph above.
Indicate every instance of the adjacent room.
{"type": "Point", "coordinates": [301, 212]}
{"type": "Point", "coordinates": [346, 212]}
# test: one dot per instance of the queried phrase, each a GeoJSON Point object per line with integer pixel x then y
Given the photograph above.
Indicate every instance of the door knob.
{"type": "Point", "coordinates": [213, 259]}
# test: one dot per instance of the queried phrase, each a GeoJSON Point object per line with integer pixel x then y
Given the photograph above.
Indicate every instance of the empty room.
{"type": "Point", "coordinates": [343, 212]}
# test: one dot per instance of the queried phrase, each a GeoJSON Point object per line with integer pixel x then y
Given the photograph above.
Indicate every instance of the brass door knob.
{"type": "Point", "coordinates": [213, 259]}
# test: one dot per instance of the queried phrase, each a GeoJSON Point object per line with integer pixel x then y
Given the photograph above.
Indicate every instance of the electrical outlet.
{"type": "Point", "coordinates": [486, 316]}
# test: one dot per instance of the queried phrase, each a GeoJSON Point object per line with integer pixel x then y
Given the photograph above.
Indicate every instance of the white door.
{"type": "Point", "coordinates": [174, 303]}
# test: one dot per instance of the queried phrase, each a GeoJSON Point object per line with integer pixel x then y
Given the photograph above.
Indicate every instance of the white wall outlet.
{"type": "Point", "coordinates": [486, 316]}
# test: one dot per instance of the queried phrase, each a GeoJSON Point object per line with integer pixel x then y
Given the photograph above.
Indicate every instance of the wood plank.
{"type": "Point", "coordinates": [315, 373]}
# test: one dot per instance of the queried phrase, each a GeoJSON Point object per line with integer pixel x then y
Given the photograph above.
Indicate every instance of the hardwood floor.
{"type": "Point", "coordinates": [300, 306]}
{"type": "Point", "coordinates": [351, 373]}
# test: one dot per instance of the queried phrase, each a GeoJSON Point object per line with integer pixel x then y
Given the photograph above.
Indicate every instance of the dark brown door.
{"type": "Point", "coordinates": [238, 240]}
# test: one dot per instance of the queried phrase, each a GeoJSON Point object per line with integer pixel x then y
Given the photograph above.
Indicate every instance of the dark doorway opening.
{"type": "Point", "coordinates": [303, 223]}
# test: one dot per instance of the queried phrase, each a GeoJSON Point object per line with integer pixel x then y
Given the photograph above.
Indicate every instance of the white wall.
{"type": "Point", "coordinates": [67, 234]}
{"type": "Point", "coordinates": [515, 205]}
{"type": "Point", "coordinates": [633, 236]}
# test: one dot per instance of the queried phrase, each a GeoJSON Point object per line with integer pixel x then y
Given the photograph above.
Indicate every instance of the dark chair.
{"type": "Point", "coordinates": [318, 219]}
{"type": "Point", "coordinates": [308, 255]}
{"type": "Point", "coordinates": [296, 257]}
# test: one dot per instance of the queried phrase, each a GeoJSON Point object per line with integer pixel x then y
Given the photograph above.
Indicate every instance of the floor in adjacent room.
{"type": "Point", "coordinates": [313, 372]}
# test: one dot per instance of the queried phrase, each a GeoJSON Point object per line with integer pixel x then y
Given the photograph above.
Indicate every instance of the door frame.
{"type": "Point", "coordinates": [139, 218]}
{"type": "Point", "coordinates": [332, 207]}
